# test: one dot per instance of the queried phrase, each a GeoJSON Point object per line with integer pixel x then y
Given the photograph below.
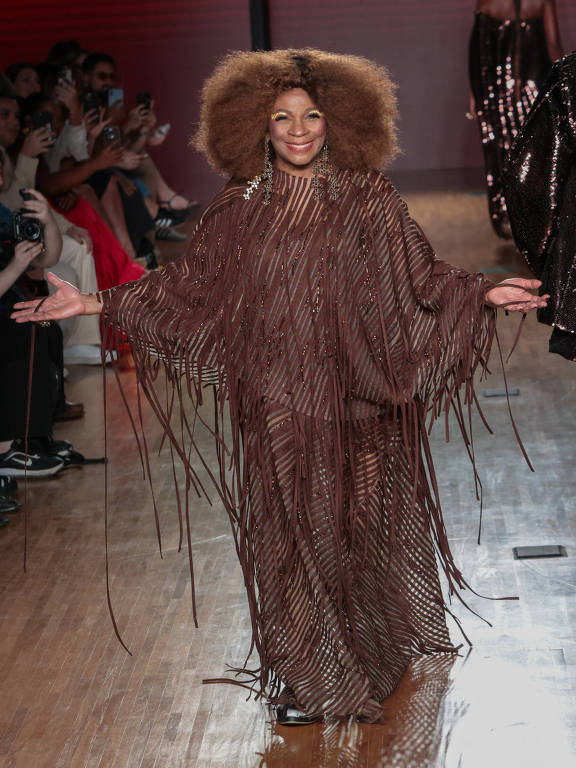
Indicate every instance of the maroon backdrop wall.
{"type": "Point", "coordinates": [169, 46]}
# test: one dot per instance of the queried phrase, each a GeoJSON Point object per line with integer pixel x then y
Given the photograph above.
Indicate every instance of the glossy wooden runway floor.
{"type": "Point", "coordinates": [71, 696]}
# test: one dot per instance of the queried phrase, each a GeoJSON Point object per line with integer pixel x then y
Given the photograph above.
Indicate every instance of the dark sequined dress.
{"type": "Point", "coordinates": [508, 62]}
{"type": "Point", "coordinates": [540, 186]}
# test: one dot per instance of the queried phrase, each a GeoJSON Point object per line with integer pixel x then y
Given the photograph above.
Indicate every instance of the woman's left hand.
{"type": "Point", "coordinates": [514, 295]}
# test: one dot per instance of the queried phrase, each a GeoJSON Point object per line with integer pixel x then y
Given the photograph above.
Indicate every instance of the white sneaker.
{"type": "Point", "coordinates": [87, 354]}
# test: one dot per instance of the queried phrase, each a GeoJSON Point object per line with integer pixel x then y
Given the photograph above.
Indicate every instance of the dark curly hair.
{"type": "Point", "coordinates": [355, 94]}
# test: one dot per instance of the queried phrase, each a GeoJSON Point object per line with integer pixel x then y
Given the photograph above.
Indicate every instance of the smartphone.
{"type": "Point", "coordinates": [40, 119]}
{"type": "Point", "coordinates": [64, 75]}
{"type": "Point", "coordinates": [111, 134]}
{"type": "Point", "coordinates": [161, 131]}
{"type": "Point", "coordinates": [91, 100]}
{"type": "Point", "coordinates": [144, 99]}
{"type": "Point", "coordinates": [115, 97]}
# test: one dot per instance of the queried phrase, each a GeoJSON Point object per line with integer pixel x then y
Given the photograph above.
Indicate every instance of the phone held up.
{"type": "Point", "coordinates": [40, 119]}
{"type": "Point", "coordinates": [115, 97]}
{"type": "Point", "coordinates": [91, 102]}
{"type": "Point", "coordinates": [144, 100]}
{"type": "Point", "coordinates": [111, 134]}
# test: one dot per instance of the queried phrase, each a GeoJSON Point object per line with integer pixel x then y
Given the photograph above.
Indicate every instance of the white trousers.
{"type": "Point", "coordinates": [76, 266]}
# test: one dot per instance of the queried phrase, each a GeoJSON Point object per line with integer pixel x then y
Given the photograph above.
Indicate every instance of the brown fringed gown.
{"type": "Point", "coordinates": [508, 62]}
{"type": "Point", "coordinates": [334, 333]}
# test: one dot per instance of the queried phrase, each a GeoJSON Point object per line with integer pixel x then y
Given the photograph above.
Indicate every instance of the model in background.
{"type": "Point", "coordinates": [512, 47]}
{"type": "Point", "coordinates": [540, 186]}
{"type": "Point", "coordinates": [335, 334]}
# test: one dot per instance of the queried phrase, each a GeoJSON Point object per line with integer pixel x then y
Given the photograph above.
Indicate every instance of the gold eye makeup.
{"type": "Point", "coordinates": [314, 114]}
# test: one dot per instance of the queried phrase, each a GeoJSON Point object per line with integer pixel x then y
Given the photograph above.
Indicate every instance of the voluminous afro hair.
{"type": "Point", "coordinates": [355, 94]}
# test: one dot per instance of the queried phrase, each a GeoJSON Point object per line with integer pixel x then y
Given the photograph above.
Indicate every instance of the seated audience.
{"type": "Point", "coordinates": [83, 341]}
{"type": "Point", "coordinates": [25, 419]}
{"type": "Point", "coordinates": [166, 206]}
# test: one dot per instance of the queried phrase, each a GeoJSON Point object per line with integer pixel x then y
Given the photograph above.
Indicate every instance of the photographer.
{"type": "Point", "coordinates": [76, 261]}
{"type": "Point", "coordinates": [30, 240]}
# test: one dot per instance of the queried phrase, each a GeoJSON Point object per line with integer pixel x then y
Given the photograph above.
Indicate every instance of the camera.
{"type": "Point", "coordinates": [25, 227]}
{"type": "Point", "coordinates": [144, 99]}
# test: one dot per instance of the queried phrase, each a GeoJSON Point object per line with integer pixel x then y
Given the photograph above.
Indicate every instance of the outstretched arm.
{"type": "Point", "coordinates": [67, 301]}
{"type": "Point", "coordinates": [514, 295]}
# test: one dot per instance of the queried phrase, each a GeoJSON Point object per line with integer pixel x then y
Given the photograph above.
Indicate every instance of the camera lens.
{"type": "Point", "coordinates": [31, 230]}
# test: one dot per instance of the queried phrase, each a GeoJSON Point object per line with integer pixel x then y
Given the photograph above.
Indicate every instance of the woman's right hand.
{"type": "Point", "coordinates": [96, 121]}
{"type": "Point", "coordinates": [37, 142]}
{"type": "Point", "coordinates": [67, 301]}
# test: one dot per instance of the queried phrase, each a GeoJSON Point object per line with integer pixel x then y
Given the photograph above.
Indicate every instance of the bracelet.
{"type": "Point", "coordinates": [43, 323]}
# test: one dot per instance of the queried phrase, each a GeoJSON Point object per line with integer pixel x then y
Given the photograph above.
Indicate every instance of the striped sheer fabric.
{"type": "Point", "coordinates": [335, 335]}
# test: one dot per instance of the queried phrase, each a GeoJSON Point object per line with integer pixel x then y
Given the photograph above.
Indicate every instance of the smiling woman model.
{"type": "Point", "coordinates": [333, 333]}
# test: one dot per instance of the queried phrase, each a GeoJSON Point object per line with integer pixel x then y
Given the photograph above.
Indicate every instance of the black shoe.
{"type": "Point", "coordinates": [63, 450]}
{"type": "Point", "coordinates": [169, 235]}
{"type": "Point", "coordinates": [286, 714]}
{"type": "Point", "coordinates": [3, 522]}
{"type": "Point", "coordinates": [177, 215]}
{"type": "Point", "coordinates": [8, 505]}
{"type": "Point", "coordinates": [20, 464]}
{"type": "Point", "coordinates": [147, 251]}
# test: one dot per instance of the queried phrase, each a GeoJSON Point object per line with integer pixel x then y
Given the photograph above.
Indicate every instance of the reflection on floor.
{"type": "Point", "coordinates": [71, 696]}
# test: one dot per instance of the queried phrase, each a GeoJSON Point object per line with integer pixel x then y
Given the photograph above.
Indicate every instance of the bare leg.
{"type": "Point", "coordinates": [86, 191]}
{"type": "Point", "coordinates": [166, 194]}
{"type": "Point", "coordinates": [152, 206]}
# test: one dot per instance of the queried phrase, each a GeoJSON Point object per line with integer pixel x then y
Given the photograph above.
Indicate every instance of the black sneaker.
{"type": "Point", "coordinates": [169, 234]}
{"type": "Point", "coordinates": [177, 215]}
{"type": "Point", "coordinates": [19, 464]}
{"type": "Point", "coordinates": [63, 450]}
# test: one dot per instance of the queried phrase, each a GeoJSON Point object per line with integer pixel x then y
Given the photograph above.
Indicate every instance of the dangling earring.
{"type": "Point", "coordinates": [268, 174]}
{"type": "Point", "coordinates": [267, 177]}
{"type": "Point", "coordinates": [323, 170]}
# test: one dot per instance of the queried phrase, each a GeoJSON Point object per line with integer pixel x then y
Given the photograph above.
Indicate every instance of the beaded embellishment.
{"type": "Point", "coordinates": [251, 187]}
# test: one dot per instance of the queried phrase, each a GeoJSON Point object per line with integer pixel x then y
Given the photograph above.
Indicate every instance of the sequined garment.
{"type": "Point", "coordinates": [540, 187]}
{"type": "Point", "coordinates": [334, 334]}
{"type": "Point", "coordinates": [508, 61]}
